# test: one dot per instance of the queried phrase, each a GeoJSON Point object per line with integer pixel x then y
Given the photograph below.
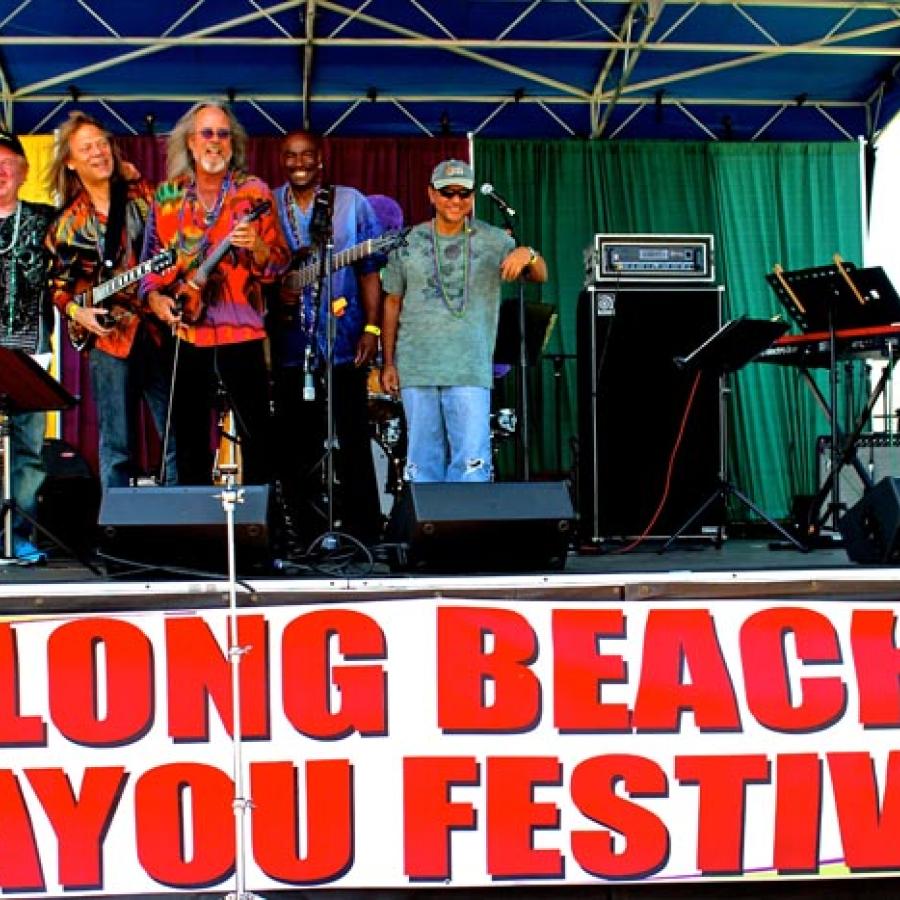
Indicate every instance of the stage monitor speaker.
{"type": "Point", "coordinates": [631, 399]}
{"type": "Point", "coordinates": [183, 526]}
{"type": "Point", "coordinates": [871, 528]}
{"type": "Point", "coordinates": [69, 498]}
{"type": "Point", "coordinates": [484, 527]}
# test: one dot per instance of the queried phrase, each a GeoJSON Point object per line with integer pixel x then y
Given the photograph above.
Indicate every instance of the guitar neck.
{"type": "Point", "coordinates": [205, 269]}
{"type": "Point", "coordinates": [309, 273]}
{"type": "Point", "coordinates": [121, 281]}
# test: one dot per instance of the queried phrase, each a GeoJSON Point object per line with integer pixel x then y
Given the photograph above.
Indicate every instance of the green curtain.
{"type": "Point", "coordinates": [796, 204]}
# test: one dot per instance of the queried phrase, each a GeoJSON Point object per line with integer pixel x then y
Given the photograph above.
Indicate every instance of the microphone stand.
{"type": "Point", "coordinates": [522, 370]}
{"type": "Point", "coordinates": [322, 232]}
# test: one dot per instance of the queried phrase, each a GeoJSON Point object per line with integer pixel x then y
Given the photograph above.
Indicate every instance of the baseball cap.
{"type": "Point", "coordinates": [453, 171]}
{"type": "Point", "coordinates": [11, 142]}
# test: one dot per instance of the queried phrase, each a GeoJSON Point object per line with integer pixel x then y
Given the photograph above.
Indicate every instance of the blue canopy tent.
{"type": "Point", "coordinates": [757, 69]}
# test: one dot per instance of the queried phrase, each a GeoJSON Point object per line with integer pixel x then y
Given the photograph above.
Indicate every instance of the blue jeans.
{"type": "Point", "coordinates": [118, 385]}
{"type": "Point", "coordinates": [27, 470]}
{"type": "Point", "coordinates": [448, 433]}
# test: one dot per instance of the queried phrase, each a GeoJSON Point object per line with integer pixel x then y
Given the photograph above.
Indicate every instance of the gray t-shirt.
{"type": "Point", "coordinates": [451, 300]}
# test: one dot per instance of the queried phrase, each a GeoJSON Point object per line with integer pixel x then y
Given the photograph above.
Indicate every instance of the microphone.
{"type": "Point", "coordinates": [488, 190]}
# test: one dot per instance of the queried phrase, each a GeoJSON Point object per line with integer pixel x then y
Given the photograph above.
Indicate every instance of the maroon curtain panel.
{"type": "Point", "coordinates": [396, 167]}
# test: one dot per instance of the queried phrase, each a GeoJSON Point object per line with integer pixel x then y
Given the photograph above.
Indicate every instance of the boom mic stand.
{"type": "Point", "coordinates": [322, 232]}
{"type": "Point", "coordinates": [522, 363]}
{"type": "Point", "coordinates": [231, 495]}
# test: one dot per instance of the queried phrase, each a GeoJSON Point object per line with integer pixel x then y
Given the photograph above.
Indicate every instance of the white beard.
{"type": "Point", "coordinates": [213, 164]}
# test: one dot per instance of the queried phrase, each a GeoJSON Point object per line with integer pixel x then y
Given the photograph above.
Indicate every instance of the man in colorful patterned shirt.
{"type": "Point", "coordinates": [210, 203]}
{"type": "Point", "coordinates": [26, 319]}
{"type": "Point", "coordinates": [99, 234]}
{"type": "Point", "coordinates": [298, 329]}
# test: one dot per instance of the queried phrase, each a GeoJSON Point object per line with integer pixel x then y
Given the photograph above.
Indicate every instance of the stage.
{"type": "Point", "coordinates": [740, 568]}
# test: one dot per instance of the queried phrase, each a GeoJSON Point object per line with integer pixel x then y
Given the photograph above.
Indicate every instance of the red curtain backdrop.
{"type": "Point", "coordinates": [397, 167]}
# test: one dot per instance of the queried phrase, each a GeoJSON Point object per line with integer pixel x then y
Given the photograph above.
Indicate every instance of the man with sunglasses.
{"type": "Point", "coordinates": [209, 203]}
{"type": "Point", "coordinates": [440, 326]}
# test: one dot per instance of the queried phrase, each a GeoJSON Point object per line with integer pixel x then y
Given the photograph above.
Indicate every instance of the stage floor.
{"type": "Point", "coordinates": [740, 568]}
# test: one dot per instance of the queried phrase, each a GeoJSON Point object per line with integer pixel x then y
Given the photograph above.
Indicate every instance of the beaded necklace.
{"type": "Point", "coordinates": [12, 246]}
{"type": "Point", "coordinates": [458, 310]}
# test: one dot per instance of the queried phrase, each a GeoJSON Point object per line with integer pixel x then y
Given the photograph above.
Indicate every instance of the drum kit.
{"type": "Point", "coordinates": [388, 430]}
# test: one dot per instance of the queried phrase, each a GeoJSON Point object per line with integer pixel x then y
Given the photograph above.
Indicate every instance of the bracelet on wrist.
{"type": "Point", "coordinates": [372, 329]}
{"type": "Point", "coordinates": [71, 309]}
{"type": "Point", "coordinates": [533, 255]}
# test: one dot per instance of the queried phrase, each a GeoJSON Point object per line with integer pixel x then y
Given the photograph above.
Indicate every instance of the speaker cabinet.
{"type": "Point", "coordinates": [69, 498]}
{"type": "Point", "coordinates": [484, 527]}
{"type": "Point", "coordinates": [878, 452]}
{"type": "Point", "coordinates": [184, 526]}
{"type": "Point", "coordinates": [871, 528]}
{"type": "Point", "coordinates": [631, 399]}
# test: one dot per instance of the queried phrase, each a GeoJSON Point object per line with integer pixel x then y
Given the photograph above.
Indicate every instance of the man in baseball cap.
{"type": "Point", "coordinates": [440, 326]}
{"type": "Point", "coordinates": [11, 143]}
{"type": "Point", "coordinates": [452, 171]}
{"type": "Point", "coordinates": [25, 305]}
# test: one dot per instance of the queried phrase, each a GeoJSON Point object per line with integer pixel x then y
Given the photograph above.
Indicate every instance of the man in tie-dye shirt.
{"type": "Point", "coordinates": [216, 310]}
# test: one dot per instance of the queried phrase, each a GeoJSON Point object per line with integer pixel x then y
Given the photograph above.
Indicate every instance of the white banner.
{"type": "Point", "coordinates": [425, 743]}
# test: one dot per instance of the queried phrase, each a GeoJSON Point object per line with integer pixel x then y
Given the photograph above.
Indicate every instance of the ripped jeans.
{"type": "Point", "coordinates": [448, 433]}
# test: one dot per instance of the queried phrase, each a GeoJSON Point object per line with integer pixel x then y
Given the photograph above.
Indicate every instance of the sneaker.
{"type": "Point", "coordinates": [26, 552]}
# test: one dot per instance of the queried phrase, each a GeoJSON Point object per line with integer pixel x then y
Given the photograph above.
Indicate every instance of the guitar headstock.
{"type": "Point", "coordinates": [391, 240]}
{"type": "Point", "coordinates": [257, 210]}
{"type": "Point", "coordinates": [163, 261]}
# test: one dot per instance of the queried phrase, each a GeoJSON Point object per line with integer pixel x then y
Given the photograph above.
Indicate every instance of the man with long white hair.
{"type": "Point", "coordinates": [221, 222]}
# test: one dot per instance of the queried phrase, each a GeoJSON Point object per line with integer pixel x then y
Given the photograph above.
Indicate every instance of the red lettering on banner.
{"type": "Point", "coordinates": [722, 781]}
{"type": "Point", "coordinates": [329, 820]}
{"type": "Point", "coordinates": [80, 823]}
{"type": "Point", "coordinates": [877, 660]}
{"type": "Point", "coordinates": [478, 648]}
{"type": "Point", "coordinates": [798, 808]}
{"type": "Point", "coordinates": [646, 839]}
{"type": "Point", "coordinates": [16, 730]}
{"type": "Point", "coordinates": [514, 815]}
{"type": "Point", "coordinates": [199, 670]}
{"type": "Point", "coordinates": [869, 828]}
{"type": "Point", "coordinates": [308, 674]}
{"type": "Point", "coordinates": [821, 701]}
{"type": "Point", "coordinates": [79, 677]}
{"type": "Point", "coordinates": [580, 671]}
{"type": "Point", "coordinates": [181, 806]}
{"type": "Point", "coordinates": [20, 862]}
{"type": "Point", "coordinates": [429, 814]}
{"type": "Point", "coordinates": [676, 640]}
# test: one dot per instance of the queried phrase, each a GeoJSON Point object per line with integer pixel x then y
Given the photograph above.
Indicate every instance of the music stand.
{"type": "Point", "coordinates": [836, 297]}
{"type": "Point", "coordinates": [25, 387]}
{"type": "Point", "coordinates": [726, 351]}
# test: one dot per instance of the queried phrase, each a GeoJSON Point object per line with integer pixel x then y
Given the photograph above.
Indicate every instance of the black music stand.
{"type": "Point", "coordinates": [726, 351]}
{"type": "Point", "coordinates": [25, 387]}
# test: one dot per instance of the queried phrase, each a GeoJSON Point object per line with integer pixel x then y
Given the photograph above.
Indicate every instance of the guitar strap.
{"type": "Point", "coordinates": [115, 224]}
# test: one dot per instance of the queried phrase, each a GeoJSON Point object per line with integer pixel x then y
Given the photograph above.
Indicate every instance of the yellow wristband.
{"type": "Point", "coordinates": [372, 329]}
{"type": "Point", "coordinates": [71, 308]}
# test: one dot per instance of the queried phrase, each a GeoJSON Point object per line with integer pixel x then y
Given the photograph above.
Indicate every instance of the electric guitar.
{"type": "Point", "coordinates": [82, 339]}
{"type": "Point", "coordinates": [307, 272]}
{"type": "Point", "coordinates": [190, 298]}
